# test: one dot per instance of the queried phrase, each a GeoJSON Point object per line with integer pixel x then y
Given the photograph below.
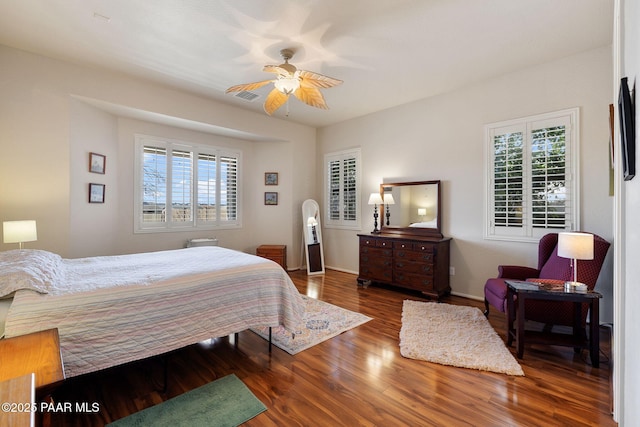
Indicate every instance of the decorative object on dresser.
{"type": "Point", "coordinates": [388, 200]}
{"type": "Point", "coordinates": [277, 253]}
{"type": "Point", "coordinates": [410, 253]}
{"type": "Point", "coordinates": [375, 199]}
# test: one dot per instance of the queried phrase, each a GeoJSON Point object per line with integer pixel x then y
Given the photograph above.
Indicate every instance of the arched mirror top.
{"type": "Point", "coordinates": [415, 208]}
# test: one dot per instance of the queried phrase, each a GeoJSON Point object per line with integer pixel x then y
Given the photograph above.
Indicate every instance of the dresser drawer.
{"type": "Point", "coordinates": [375, 272]}
{"type": "Point", "coordinates": [418, 282]}
{"type": "Point", "coordinates": [376, 251]}
{"type": "Point", "coordinates": [425, 257]}
{"type": "Point", "coordinates": [404, 266]}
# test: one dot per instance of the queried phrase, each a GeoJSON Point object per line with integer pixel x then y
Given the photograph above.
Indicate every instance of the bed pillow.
{"type": "Point", "coordinates": [28, 269]}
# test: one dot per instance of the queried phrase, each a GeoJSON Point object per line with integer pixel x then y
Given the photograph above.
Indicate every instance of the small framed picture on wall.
{"type": "Point", "coordinates": [270, 198]}
{"type": "Point", "coordinates": [96, 193]}
{"type": "Point", "coordinates": [97, 163]}
{"type": "Point", "coordinates": [271, 178]}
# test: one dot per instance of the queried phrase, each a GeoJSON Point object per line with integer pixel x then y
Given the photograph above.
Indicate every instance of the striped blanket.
{"type": "Point", "coordinates": [114, 310]}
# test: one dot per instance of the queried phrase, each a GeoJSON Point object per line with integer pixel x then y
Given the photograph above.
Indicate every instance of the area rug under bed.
{"type": "Point", "coordinates": [321, 322]}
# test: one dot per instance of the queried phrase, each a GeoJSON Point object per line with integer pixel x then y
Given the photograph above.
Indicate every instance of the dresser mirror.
{"type": "Point", "coordinates": [414, 208]}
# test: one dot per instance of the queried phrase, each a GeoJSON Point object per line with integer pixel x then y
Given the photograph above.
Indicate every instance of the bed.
{"type": "Point", "coordinates": [116, 309]}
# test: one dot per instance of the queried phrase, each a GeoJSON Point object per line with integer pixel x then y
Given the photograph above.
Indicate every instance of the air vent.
{"type": "Point", "coordinates": [247, 96]}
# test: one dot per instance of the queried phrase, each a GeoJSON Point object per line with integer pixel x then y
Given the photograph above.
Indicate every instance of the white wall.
{"type": "Point", "coordinates": [629, 333]}
{"type": "Point", "coordinates": [442, 138]}
{"type": "Point", "coordinates": [48, 131]}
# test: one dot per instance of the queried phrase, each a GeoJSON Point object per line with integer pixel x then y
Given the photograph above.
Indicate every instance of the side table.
{"type": "Point", "coordinates": [37, 353]}
{"type": "Point", "coordinates": [277, 253]}
{"type": "Point", "coordinates": [521, 291]}
{"type": "Point", "coordinates": [19, 394]}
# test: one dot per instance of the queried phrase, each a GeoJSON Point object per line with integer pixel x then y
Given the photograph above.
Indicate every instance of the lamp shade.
{"type": "Point", "coordinates": [375, 199]}
{"type": "Point", "coordinates": [422, 211]}
{"type": "Point", "coordinates": [388, 199]}
{"type": "Point", "coordinates": [19, 231]}
{"type": "Point", "coordinates": [575, 245]}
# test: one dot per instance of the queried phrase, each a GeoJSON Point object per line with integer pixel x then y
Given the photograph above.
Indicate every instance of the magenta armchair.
{"type": "Point", "coordinates": [550, 267]}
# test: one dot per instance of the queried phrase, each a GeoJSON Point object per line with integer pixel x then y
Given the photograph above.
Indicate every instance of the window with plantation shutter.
{"type": "Point", "coordinates": [185, 186]}
{"type": "Point", "coordinates": [531, 176]}
{"type": "Point", "coordinates": [342, 194]}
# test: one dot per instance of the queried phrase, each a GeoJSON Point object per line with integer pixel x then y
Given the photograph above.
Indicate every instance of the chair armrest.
{"type": "Point", "coordinates": [516, 272]}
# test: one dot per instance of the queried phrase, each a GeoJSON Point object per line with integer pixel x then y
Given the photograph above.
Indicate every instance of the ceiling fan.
{"type": "Point", "coordinates": [304, 85]}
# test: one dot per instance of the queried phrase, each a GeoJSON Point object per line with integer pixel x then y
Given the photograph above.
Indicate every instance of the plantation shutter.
{"type": "Point", "coordinates": [181, 186]}
{"type": "Point", "coordinates": [334, 190]}
{"type": "Point", "coordinates": [531, 168]}
{"type": "Point", "coordinates": [207, 187]}
{"type": "Point", "coordinates": [228, 188]}
{"type": "Point", "coordinates": [551, 202]}
{"type": "Point", "coordinates": [342, 189]}
{"type": "Point", "coordinates": [154, 182]}
{"type": "Point", "coordinates": [508, 180]}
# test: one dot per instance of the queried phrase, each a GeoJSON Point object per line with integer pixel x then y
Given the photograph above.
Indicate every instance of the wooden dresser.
{"type": "Point", "coordinates": [413, 262]}
{"type": "Point", "coordinates": [277, 253]}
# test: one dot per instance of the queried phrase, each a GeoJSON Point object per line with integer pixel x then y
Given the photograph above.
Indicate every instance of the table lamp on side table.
{"type": "Point", "coordinates": [575, 246]}
{"type": "Point", "coordinates": [19, 232]}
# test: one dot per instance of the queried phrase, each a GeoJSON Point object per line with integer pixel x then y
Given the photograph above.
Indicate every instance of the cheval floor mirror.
{"type": "Point", "coordinates": [312, 237]}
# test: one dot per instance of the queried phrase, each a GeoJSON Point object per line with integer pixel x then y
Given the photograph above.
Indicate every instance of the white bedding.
{"type": "Point", "coordinates": [425, 224]}
{"type": "Point", "coordinates": [113, 310]}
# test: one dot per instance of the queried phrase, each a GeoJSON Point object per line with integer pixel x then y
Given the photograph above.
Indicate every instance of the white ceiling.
{"type": "Point", "coordinates": [387, 52]}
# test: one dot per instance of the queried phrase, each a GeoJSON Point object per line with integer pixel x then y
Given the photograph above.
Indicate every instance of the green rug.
{"type": "Point", "coordinates": [223, 402]}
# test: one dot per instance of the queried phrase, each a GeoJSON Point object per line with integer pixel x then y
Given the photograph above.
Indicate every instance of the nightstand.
{"type": "Point", "coordinates": [277, 253]}
{"type": "Point", "coordinates": [37, 353]}
{"type": "Point", "coordinates": [17, 396]}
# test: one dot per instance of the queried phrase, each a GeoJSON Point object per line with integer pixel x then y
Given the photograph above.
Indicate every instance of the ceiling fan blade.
{"type": "Point", "coordinates": [311, 79]}
{"type": "Point", "coordinates": [248, 86]}
{"type": "Point", "coordinates": [311, 96]}
{"type": "Point", "coordinates": [274, 100]}
{"type": "Point", "coordinates": [277, 70]}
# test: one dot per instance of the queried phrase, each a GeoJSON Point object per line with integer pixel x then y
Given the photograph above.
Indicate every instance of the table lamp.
{"type": "Point", "coordinates": [19, 232]}
{"type": "Point", "coordinates": [375, 199]}
{"type": "Point", "coordinates": [575, 246]}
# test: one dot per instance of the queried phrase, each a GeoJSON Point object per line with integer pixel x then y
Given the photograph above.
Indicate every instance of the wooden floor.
{"type": "Point", "coordinates": [359, 377]}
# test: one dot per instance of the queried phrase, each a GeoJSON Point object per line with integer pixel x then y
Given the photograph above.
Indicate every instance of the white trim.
{"type": "Point", "coordinates": [618, 233]}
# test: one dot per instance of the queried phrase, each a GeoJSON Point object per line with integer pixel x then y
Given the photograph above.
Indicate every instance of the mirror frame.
{"type": "Point", "coordinates": [414, 231]}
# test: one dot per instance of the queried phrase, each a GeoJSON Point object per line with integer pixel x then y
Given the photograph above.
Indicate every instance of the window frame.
{"type": "Point", "coordinates": [195, 150]}
{"type": "Point", "coordinates": [529, 233]}
{"type": "Point", "coordinates": [342, 223]}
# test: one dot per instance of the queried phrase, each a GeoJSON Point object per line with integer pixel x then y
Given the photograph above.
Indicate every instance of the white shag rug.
{"type": "Point", "coordinates": [453, 335]}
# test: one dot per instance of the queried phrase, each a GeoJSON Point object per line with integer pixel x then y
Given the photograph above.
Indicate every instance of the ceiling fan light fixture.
{"type": "Point", "coordinates": [304, 85]}
{"type": "Point", "coordinates": [287, 85]}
